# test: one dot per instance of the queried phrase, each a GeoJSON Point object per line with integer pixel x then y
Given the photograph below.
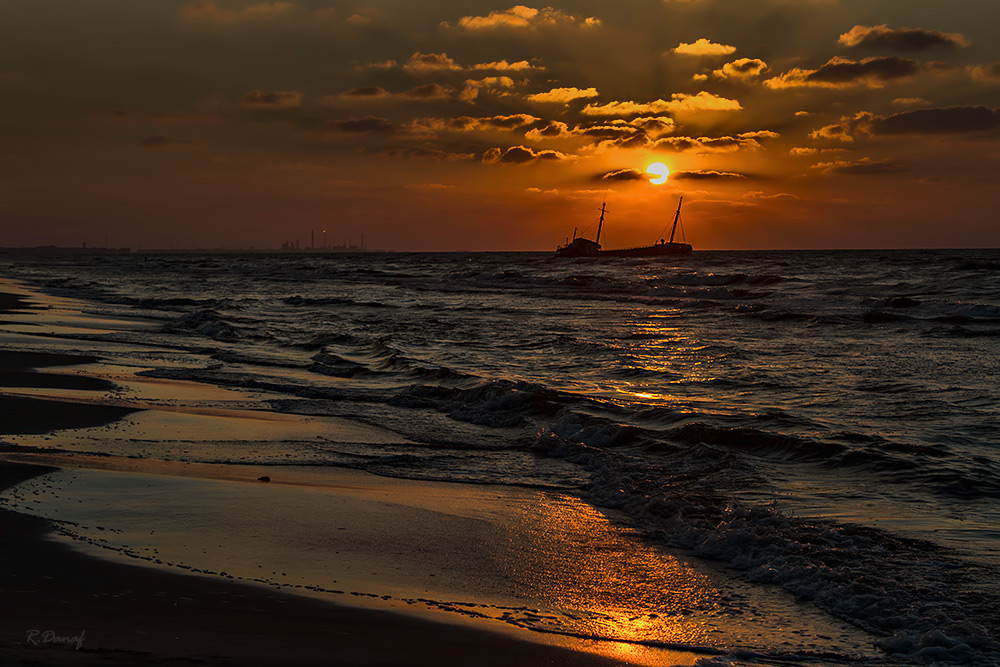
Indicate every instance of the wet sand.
{"type": "Point", "coordinates": [64, 607]}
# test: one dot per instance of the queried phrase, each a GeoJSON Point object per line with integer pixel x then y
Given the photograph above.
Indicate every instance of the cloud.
{"type": "Point", "coordinates": [935, 121]}
{"type": "Point", "coordinates": [470, 124]}
{"type": "Point", "coordinates": [900, 39]}
{"type": "Point", "coordinates": [745, 141]}
{"type": "Point", "coordinates": [366, 125]}
{"type": "Point", "coordinates": [701, 175]}
{"type": "Point", "coordinates": [423, 63]}
{"type": "Point", "coordinates": [844, 73]}
{"type": "Point", "coordinates": [521, 17]}
{"type": "Point", "coordinates": [283, 99]}
{"type": "Point", "coordinates": [742, 69]}
{"type": "Point", "coordinates": [909, 101]}
{"type": "Point", "coordinates": [653, 125]}
{"type": "Point", "coordinates": [436, 62]}
{"type": "Point", "coordinates": [800, 151]}
{"type": "Point", "coordinates": [492, 84]}
{"type": "Point", "coordinates": [756, 195]}
{"type": "Point", "coordinates": [703, 47]}
{"type": "Point", "coordinates": [430, 91]}
{"type": "Point", "coordinates": [520, 155]}
{"type": "Point", "coordinates": [988, 73]}
{"type": "Point", "coordinates": [504, 66]}
{"type": "Point", "coordinates": [427, 153]}
{"type": "Point", "coordinates": [679, 102]}
{"type": "Point", "coordinates": [209, 12]}
{"type": "Point", "coordinates": [554, 129]}
{"type": "Point", "coordinates": [368, 92]}
{"type": "Point", "coordinates": [621, 175]}
{"type": "Point", "coordinates": [949, 120]}
{"type": "Point", "coordinates": [562, 95]}
{"type": "Point", "coordinates": [863, 167]}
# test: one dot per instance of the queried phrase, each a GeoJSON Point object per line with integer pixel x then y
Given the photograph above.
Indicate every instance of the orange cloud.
{"type": "Point", "coordinates": [863, 167]}
{"type": "Point", "coordinates": [430, 61]}
{"type": "Point", "coordinates": [494, 84]}
{"type": "Point", "coordinates": [679, 103]}
{"type": "Point", "coordinates": [562, 95]}
{"type": "Point", "coordinates": [703, 47]}
{"type": "Point", "coordinates": [554, 129]}
{"type": "Point", "coordinates": [521, 17]}
{"type": "Point", "coordinates": [744, 68]}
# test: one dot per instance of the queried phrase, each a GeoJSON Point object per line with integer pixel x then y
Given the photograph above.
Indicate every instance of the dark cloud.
{"type": "Point", "coordinates": [621, 175]}
{"type": "Point", "coordinates": [743, 68]}
{"type": "Point", "coordinates": [517, 155]}
{"type": "Point", "coordinates": [428, 153]}
{"type": "Point", "coordinates": [369, 91]}
{"type": "Point", "coordinates": [707, 176]}
{"type": "Point", "coordinates": [281, 99]}
{"type": "Point", "coordinates": [608, 131]}
{"type": "Point", "coordinates": [430, 91]}
{"type": "Point", "coordinates": [948, 120]}
{"type": "Point", "coordinates": [744, 141]}
{"type": "Point", "coordinates": [847, 71]}
{"type": "Point", "coordinates": [549, 130]}
{"type": "Point", "coordinates": [512, 122]}
{"type": "Point", "coordinates": [899, 39]}
{"type": "Point", "coordinates": [366, 125]}
{"type": "Point", "coordinates": [520, 155]}
{"type": "Point", "coordinates": [843, 72]}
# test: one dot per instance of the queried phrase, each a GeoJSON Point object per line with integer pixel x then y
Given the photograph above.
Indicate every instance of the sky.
{"type": "Point", "coordinates": [488, 125]}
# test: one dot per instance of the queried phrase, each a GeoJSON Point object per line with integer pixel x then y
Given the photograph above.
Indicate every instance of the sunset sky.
{"type": "Point", "coordinates": [474, 125]}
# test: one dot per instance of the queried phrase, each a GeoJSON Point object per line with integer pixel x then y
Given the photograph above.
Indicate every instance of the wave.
{"type": "Point", "coordinates": [901, 590]}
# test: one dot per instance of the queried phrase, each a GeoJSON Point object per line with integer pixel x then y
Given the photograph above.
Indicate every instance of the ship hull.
{"type": "Point", "coordinates": [656, 250]}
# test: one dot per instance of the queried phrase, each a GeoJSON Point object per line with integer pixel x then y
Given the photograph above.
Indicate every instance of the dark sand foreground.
{"type": "Point", "coordinates": [62, 607]}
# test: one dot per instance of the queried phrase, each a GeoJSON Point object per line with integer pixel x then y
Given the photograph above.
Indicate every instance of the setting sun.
{"type": "Point", "coordinates": [660, 170]}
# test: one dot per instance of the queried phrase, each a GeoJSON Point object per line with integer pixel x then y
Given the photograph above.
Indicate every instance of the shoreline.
{"type": "Point", "coordinates": [129, 612]}
{"type": "Point", "coordinates": [73, 607]}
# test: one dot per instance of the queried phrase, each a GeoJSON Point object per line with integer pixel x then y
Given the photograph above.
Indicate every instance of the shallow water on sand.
{"type": "Point", "coordinates": [821, 423]}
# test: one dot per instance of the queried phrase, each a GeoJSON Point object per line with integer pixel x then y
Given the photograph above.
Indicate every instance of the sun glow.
{"type": "Point", "coordinates": [660, 170]}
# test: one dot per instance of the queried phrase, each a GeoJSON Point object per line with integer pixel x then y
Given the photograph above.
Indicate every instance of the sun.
{"type": "Point", "coordinates": [660, 170]}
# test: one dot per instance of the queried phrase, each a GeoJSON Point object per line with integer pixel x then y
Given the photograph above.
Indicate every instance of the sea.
{"type": "Point", "coordinates": [821, 423]}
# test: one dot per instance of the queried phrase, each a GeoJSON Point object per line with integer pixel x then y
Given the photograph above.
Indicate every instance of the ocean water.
{"type": "Point", "coordinates": [826, 423]}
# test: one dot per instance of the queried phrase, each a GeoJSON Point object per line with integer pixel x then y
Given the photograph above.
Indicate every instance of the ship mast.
{"type": "Point", "coordinates": [600, 223]}
{"type": "Point", "coordinates": [677, 216]}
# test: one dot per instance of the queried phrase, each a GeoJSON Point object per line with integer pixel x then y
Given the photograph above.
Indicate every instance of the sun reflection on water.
{"type": "Point", "coordinates": [600, 580]}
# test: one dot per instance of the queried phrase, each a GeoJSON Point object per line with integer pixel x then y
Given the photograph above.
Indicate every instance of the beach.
{"type": "Point", "coordinates": [68, 607]}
